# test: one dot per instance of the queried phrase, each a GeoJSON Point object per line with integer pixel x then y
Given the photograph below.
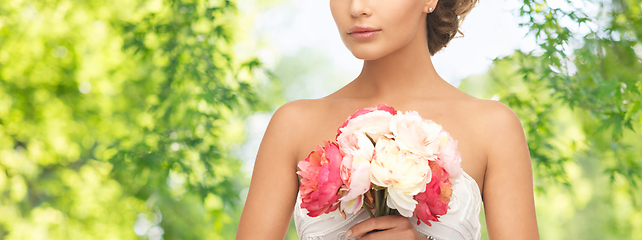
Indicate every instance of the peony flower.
{"type": "Point", "coordinates": [358, 183]}
{"type": "Point", "coordinates": [415, 134]}
{"type": "Point", "coordinates": [433, 202]}
{"type": "Point", "coordinates": [380, 107]}
{"type": "Point", "coordinates": [321, 179]}
{"type": "Point", "coordinates": [404, 174]}
{"type": "Point", "coordinates": [374, 124]}
{"type": "Point", "coordinates": [355, 144]}
{"type": "Point", "coordinates": [355, 169]}
{"type": "Point", "coordinates": [449, 158]}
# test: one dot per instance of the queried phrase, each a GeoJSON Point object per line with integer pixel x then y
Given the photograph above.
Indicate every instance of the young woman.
{"type": "Point", "coordinates": [396, 39]}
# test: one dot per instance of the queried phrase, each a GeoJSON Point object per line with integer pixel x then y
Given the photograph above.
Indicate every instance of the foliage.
{"type": "Point", "coordinates": [608, 68]}
{"type": "Point", "coordinates": [116, 119]}
{"type": "Point", "coordinates": [603, 75]}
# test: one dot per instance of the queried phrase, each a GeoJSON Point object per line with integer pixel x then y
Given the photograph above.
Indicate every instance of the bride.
{"type": "Point", "coordinates": [396, 39]}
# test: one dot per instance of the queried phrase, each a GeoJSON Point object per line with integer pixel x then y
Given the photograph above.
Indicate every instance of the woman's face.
{"type": "Point", "coordinates": [371, 29]}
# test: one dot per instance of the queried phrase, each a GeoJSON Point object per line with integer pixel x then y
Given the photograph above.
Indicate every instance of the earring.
{"type": "Point", "coordinates": [429, 9]}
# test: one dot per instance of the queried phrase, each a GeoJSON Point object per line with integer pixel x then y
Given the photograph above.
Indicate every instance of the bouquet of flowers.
{"type": "Point", "coordinates": [384, 161]}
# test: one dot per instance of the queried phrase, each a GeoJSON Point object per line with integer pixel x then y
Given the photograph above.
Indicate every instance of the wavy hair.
{"type": "Point", "coordinates": [443, 23]}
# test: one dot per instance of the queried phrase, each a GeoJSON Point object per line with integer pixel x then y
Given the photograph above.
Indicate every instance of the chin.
{"type": "Point", "coordinates": [366, 56]}
{"type": "Point", "coordinates": [368, 52]}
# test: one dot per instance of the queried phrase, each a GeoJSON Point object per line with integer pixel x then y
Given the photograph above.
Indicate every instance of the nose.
{"type": "Point", "coordinates": [360, 8]}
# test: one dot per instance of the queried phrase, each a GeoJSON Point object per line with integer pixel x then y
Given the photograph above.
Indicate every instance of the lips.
{"type": "Point", "coordinates": [363, 32]}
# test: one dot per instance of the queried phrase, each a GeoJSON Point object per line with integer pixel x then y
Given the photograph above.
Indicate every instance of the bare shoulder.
{"type": "Point", "coordinates": [298, 110]}
{"type": "Point", "coordinates": [490, 114]}
{"type": "Point", "coordinates": [494, 128]}
{"type": "Point", "coordinates": [293, 109]}
{"type": "Point", "coordinates": [294, 118]}
{"type": "Point", "coordinates": [496, 118]}
{"type": "Point", "coordinates": [287, 121]}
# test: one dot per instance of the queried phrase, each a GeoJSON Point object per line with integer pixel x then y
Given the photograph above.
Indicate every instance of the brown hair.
{"type": "Point", "coordinates": [443, 23]}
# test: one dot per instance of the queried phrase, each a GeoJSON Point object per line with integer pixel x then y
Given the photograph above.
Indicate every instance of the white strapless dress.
{"type": "Point", "coordinates": [460, 223]}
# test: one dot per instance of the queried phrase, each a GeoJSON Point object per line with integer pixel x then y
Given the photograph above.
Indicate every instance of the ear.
{"type": "Point", "coordinates": [430, 5]}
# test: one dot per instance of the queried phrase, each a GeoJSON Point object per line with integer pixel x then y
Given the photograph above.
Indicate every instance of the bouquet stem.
{"type": "Point", "coordinates": [380, 206]}
{"type": "Point", "coordinates": [369, 212]}
{"type": "Point", "coordinates": [385, 199]}
{"type": "Point", "coordinates": [378, 203]}
{"type": "Point", "coordinates": [368, 203]}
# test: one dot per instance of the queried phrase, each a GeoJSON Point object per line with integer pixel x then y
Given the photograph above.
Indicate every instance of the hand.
{"type": "Point", "coordinates": [389, 227]}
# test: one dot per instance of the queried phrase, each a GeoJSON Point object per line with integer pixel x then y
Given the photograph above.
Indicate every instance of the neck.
{"type": "Point", "coordinates": [406, 72]}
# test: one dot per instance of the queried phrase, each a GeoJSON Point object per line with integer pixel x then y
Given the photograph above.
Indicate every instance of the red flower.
{"type": "Point", "coordinates": [434, 201]}
{"type": "Point", "coordinates": [321, 179]}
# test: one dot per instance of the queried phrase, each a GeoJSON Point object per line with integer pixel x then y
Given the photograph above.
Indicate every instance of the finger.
{"type": "Point", "coordinates": [378, 223]}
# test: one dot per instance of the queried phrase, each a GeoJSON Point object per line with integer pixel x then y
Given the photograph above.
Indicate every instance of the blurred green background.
{"type": "Point", "coordinates": [127, 119]}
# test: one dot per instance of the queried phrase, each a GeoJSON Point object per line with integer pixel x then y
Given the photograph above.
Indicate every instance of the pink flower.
{"type": "Point", "coordinates": [449, 158]}
{"type": "Point", "coordinates": [433, 202]}
{"type": "Point", "coordinates": [380, 107]}
{"type": "Point", "coordinates": [321, 179]}
{"type": "Point", "coordinates": [384, 107]}
{"type": "Point", "coordinates": [355, 169]}
{"type": "Point", "coordinates": [357, 182]}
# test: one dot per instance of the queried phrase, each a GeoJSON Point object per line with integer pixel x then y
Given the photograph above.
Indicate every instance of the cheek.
{"type": "Point", "coordinates": [340, 10]}
{"type": "Point", "coordinates": [402, 21]}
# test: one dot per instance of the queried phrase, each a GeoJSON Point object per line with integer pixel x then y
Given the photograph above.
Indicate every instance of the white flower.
{"type": "Point", "coordinates": [374, 124]}
{"type": "Point", "coordinates": [403, 174]}
{"type": "Point", "coordinates": [413, 133]}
